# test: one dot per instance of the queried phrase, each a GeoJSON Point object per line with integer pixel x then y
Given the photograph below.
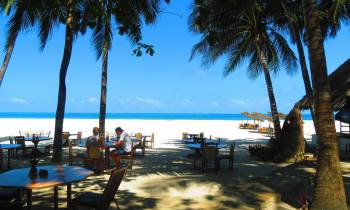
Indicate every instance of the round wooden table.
{"type": "Point", "coordinates": [9, 147]}
{"type": "Point", "coordinates": [57, 176]}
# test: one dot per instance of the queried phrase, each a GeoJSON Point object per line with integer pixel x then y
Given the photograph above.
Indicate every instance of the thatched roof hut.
{"type": "Point", "coordinates": [339, 82]}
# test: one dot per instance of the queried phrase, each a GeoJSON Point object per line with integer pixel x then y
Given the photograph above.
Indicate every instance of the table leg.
{"type": "Point", "coordinates": [9, 159]}
{"type": "Point", "coordinates": [69, 195]}
{"type": "Point", "coordinates": [107, 158]}
{"type": "Point", "coordinates": [55, 197]}
{"type": "Point", "coordinates": [1, 160]}
{"type": "Point", "coordinates": [29, 199]}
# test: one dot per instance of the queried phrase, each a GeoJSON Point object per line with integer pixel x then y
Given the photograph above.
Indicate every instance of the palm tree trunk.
{"type": "Point", "coordinates": [102, 116]}
{"type": "Point", "coordinates": [302, 60]}
{"type": "Point", "coordinates": [6, 60]}
{"type": "Point", "coordinates": [106, 47]}
{"type": "Point", "coordinates": [329, 186]}
{"type": "Point", "coordinates": [61, 102]}
{"type": "Point", "coordinates": [273, 104]}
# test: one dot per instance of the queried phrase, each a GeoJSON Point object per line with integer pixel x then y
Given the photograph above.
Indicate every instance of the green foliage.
{"type": "Point", "coordinates": [148, 49]}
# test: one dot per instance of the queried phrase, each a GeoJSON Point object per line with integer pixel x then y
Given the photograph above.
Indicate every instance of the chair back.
{"type": "Point", "coordinates": [184, 136]}
{"type": "Point", "coordinates": [210, 153]}
{"type": "Point", "coordinates": [112, 187]}
{"type": "Point", "coordinates": [11, 139]}
{"type": "Point", "coordinates": [138, 136]}
{"type": "Point", "coordinates": [93, 152]}
{"type": "Point", "coordinates": [201, 135]}
{"type": "Point", "coordinates": [152, 138]}
{"type": "Point", "coordinates": [80, 134]}
{"type": "Point", "coordinates": [20, 140]}
{"type": "Point", "coordinates": [65, 136]}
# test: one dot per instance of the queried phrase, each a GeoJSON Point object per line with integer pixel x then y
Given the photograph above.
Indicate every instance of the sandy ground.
{"type": "Point", "coordinates": [164, 178]}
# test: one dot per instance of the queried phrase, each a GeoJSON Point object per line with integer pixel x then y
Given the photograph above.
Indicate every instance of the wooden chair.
{"type": "Point", "coordinates": [129, 156]}
{"type": "Point", "coordinates": [185, 136]}
{"type": "Point", "coordinates": [140, 145]}
{"type": "Point", "coordinates": [201, 135]}
{"type": "Point", "coordinates": [101, 201]}
{"type": "Point", "coordinates": [94, 157]}
{"type": "Point", "coordinates": [11, 198]}
{"type": "Point", "coordinates": [210, 153]}
{"type": "Point", "coordinates": [77, 139]}
{"type": "Point", "coordinates": [138, 136]}
{"type": "Point", "coordinates": [65, 139]}
{"type": "Point", "coordinates": [229, 156]}
{"type": "Point", "coordinates": [151, 141]}
{"type": "Point", "coordinates": [20, 140]}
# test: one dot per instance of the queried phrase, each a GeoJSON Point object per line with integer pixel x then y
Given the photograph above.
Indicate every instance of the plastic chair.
{"type": "Point", "coordinates": [102, 201]}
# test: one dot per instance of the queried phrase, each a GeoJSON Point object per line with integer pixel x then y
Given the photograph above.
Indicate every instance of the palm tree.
{"type": "Point", "coordinates": [293, 24]}
{"type": "Point", "coordinates": [242, 34]}
{"type": "Point", "coordinates": [24, 17]}
{"type": "Point", "coordinates": [129, 16]}
{"type": "Point", "coordinates": [70, 10]}
{"type": "Point", "coordinates": [329, 189]}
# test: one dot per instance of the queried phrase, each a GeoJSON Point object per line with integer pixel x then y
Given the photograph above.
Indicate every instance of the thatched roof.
{"type": "Point", "coordinates": [252, 116]}
{"type": "Point", "coordinates": [339, 82]}
{"type": "Point", "coordinates": [263, 116]}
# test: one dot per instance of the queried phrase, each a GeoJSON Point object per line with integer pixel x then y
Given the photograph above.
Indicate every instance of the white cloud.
{"type": "Point", "coordinates": [239, 102]}
{"type": "Point", "coordinates": [186, 102]}
{"type": "Point", "coordinates": [90, 100]}
{"type": "Point", "coordinates": [18, 100]}
{"type": "Point", "coordinates": [148, 101]}
{"type": "Point", "coordinates": [214, 103]}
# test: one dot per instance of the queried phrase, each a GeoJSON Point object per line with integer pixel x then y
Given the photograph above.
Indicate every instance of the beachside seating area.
{"type": "Point", "coordinates": [33, 147]}
{"type": "Point", "coordinates": [206, 171]}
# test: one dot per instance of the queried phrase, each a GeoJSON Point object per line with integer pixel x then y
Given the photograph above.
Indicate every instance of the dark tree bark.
{"type": "Point", "coordinates": [61, 101]}
{"type": "Point", "coordinates": [302, 60]}
{"type": "Point", "coordinates": [273, 104]}
{"type": "Point", "coordinates": [6, 61]}
{"type": "Point", "coordinates": [102, 116]}
{"type": "Point", "coordinates": [329, 187]}
{"type": "Point", "coordinates": [292, 140]}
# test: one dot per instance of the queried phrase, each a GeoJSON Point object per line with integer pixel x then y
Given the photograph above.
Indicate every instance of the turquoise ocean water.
{"type": "Point", "coordinates": [141, 116]}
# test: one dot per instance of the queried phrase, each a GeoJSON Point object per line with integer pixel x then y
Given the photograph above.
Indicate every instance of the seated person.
{"type": "Point", "coordinates": [123, 145]}
{"type": "Point", "coordinates": [93, 147]}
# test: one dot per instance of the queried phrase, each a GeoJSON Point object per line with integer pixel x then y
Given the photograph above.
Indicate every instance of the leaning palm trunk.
{"type": "Point", "coordinates": [61, 103]}
{"type": "Point", "coordinates": [102, 117]}
{"type": "Point", "coordinates": [273, 104]}
{"type": "Point", "coordinates": [329, 186]}
{"type": "Point", "coordinates": [6, 60]}
{"type": "Point", "coordinates": [302, 60]}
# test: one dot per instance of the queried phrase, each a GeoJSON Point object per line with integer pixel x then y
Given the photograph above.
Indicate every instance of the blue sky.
{"type": "Point", "coordinates": [164, 83]}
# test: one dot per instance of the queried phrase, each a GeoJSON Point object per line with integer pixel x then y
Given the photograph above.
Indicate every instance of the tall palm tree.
{"type": "Point", "coordinates": [71, 17]}
{"type": "Point", "coordinates": [242, 34]}
{"type": "Point", "coordinates": [329, 189]}
{"type": "Point", "coordinates": [290, 13]}
{"type": "Point", "coordinates": [129, 16]}
{"type": "Point", "coordinates": [25, 15]}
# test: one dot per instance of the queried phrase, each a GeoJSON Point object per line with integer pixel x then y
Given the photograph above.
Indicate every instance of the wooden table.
{"type": "Point", "coordinates": [57, 176]}
{"type": "Point", "coordinates": [9, 147]}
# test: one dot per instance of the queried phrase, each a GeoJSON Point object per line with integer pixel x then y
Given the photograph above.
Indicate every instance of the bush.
{"type": "Point", "coordinates": [265, 153]}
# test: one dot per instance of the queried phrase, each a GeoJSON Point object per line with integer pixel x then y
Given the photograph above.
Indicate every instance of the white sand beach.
{"type": "Point", "coordinates": [164, 130]}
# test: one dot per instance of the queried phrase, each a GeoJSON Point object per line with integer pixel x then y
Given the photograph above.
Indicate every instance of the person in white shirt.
{"type": "Point", "coordinates": [123, 145]}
